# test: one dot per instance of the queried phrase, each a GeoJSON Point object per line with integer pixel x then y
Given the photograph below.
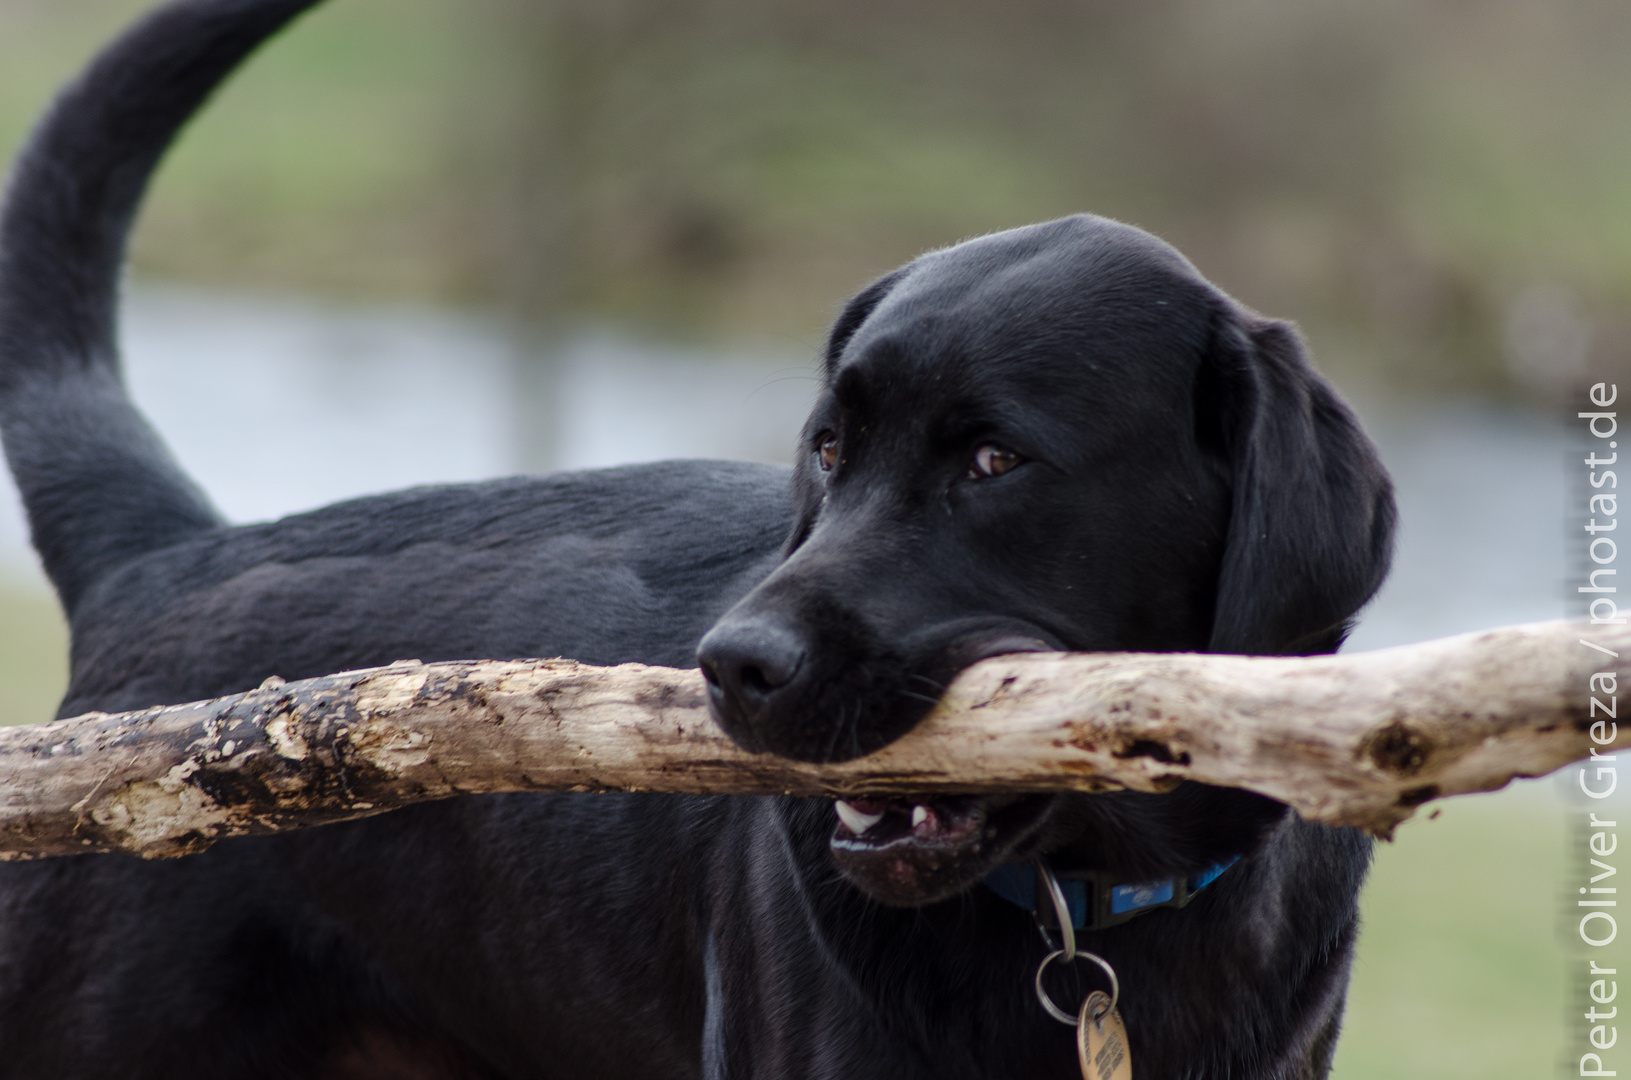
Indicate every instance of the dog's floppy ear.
{"type": "Point", "coordinates": [854, 314]}
{"type": "Point", "coordinates": [1311, 531]}
{"type": "Point", "coordinates": [806, 488]}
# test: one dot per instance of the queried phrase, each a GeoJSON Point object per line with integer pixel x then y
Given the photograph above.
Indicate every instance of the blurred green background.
{"type": "Point", "coordinates": [33, 655]}
{"type": "Point", "coordinates": [1439, 192]}
{"type": "Point", "coordinates": [1429, 186]}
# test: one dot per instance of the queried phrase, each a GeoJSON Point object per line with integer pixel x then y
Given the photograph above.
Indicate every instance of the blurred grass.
{"type": "Point", "coordinates": [1459, 974]}
{"type": "Point", "coordinates": [33, 655]}
{"type": "Point", "coordinates": [320, 165]}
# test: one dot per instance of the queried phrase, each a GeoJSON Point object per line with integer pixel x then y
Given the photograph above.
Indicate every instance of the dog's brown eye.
{"type": "Point", "coordinates": [990, 460]}
{"type": "Point", "coordinates": [827, 451]}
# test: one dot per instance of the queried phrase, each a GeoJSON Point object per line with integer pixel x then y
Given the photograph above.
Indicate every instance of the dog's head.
{"type": "Point", "coordinates": [1057, 437]}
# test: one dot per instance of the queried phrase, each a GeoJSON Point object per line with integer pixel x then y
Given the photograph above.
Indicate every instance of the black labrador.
{"type": "Point", "coordinates": [1057, 437]}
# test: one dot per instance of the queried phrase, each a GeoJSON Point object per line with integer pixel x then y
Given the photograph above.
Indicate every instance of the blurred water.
{"type": "Point", "coordinates": [616, 401]}
{"type": "Point", "coordinates": [278, 405]}
{"type": "Point", "coordinates": [1481, 520]}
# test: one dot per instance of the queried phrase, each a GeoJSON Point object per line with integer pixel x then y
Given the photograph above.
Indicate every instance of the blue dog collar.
{"type": "Point", "coordinates": [1095, 900]}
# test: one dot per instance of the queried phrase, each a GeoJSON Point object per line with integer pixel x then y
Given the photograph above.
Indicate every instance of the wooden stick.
{"type": "Point", "coordinates": [1361, 739]}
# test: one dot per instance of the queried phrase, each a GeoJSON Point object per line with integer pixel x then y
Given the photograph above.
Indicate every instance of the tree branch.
{"type": "Point", "coordinates": [1358, 740]}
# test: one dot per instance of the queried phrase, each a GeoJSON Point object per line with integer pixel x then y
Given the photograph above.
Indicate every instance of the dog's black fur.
{"type": "Point", "coordinates": [1055, 437]}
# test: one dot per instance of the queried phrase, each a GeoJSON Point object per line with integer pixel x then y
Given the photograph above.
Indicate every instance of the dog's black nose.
{"type": "Point", "coordinates": [746, 662]}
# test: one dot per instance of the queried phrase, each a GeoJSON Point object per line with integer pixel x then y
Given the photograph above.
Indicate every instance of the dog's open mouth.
{"type": "Point", "coordinates": [909, 851]}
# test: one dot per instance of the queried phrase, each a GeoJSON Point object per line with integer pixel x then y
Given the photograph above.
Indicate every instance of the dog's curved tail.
{"type": "Point", "coordinates": [98, 483]}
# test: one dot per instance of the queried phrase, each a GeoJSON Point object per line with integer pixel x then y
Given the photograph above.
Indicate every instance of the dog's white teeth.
{"type": "Point", "coordinates": [857, 821]}
{"type": "Point", "coordinates": [920, 814]}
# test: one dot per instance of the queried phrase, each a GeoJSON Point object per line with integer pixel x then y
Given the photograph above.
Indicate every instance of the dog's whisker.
{"type": "Point", "coordinates": [837, 734]}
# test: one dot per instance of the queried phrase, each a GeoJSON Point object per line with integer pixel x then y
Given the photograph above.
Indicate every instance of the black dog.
{"type": "Point", "coordinates": [1059, 437]}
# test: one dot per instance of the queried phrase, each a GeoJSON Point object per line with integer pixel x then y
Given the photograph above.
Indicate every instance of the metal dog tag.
{"type": "Point", "coordinates": [1101, 1040]}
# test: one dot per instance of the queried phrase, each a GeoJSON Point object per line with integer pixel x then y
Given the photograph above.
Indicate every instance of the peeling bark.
{"type": "Point", "coordinates": [1358, 740]}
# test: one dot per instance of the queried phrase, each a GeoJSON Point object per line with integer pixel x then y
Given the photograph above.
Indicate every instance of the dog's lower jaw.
{"type": "Point", "coordinates": [910, 852]}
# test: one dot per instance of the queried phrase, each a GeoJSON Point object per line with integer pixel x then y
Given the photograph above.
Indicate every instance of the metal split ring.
{"type": "Point", "coordinates": [1061, 912]}
{"type": "Point", "coordinates": [1047, 1002]}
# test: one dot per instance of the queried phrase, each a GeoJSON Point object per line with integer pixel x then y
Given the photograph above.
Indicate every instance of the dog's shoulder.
{"type": "Point", "coordinates": [607, 566]}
